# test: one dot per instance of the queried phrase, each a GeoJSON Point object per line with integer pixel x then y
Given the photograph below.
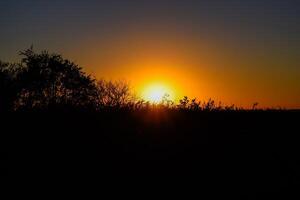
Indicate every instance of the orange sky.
{"type": "Point", "coordinates": [195, 66]}
{"type": "Point", "coordinates": [237, 51]}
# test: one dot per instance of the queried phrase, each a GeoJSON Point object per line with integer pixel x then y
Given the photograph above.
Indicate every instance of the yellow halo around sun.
{"type": "Point", "coordinates": [155, 93]}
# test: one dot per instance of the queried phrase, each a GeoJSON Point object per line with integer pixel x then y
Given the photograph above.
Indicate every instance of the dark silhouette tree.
{"type": "Point", "coordinates": [48, 80]}
{"type": "Point", "coordinates": [8, 86]}
{"type": "Point", "coordinates": [114, 94]}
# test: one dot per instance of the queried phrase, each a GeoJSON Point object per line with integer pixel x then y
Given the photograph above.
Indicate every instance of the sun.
{"type": "Point", "coordinates": [155, 93]}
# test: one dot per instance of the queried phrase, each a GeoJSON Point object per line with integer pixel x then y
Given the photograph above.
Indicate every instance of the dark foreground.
{"type": "Point", "coordinates": [250, 155]}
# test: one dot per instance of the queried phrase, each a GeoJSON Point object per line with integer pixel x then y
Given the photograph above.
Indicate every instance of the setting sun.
{"type": "Point", "coordinates": [155, 93]}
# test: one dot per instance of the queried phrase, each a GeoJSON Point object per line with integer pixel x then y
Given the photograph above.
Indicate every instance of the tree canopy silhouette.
{"type": "Point", "coordinates": [8, 86]}
{"type": "Point", "coordinates": [48, 79]}
{"type": "Point", "coordinates": [43, 81]}
{"type": "Point", "coordinates": [114, 94]}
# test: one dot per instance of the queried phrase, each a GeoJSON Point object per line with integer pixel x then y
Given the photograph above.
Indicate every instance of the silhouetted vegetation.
{"type": "Point", "coordinates": [217, 148]}
{"type": "Point", "coordinates": [48, 82]}
{"type": "Point", "coordinates": [114, 94]}
{"type": "Point", "coordinates": [8, 86]}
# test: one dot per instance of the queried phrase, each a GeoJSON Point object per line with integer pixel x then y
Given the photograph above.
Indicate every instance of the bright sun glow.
{"type": "Point", "coordinates": [155, 93]}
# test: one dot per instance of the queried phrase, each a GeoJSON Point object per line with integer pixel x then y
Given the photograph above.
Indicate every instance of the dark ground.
{"type": "Point", "coordinates": [249, 155]}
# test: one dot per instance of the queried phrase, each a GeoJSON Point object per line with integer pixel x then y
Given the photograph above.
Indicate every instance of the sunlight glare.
{"type": "Point", "coordinates": [155, 93]}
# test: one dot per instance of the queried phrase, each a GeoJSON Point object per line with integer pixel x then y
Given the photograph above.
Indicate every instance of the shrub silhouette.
{"type": "Point", "coordinates": [43, 81]}
{"type": "Point", "coordinates": [8, 86]}
{"type": "Point", "coordinates": [114, 94]}
{"type": "Point", "coordinates": [183, 103]}
{"type": "Point", "coordinates": [49, 80]}
{"type": "Point", "coordinates": [194, 105]}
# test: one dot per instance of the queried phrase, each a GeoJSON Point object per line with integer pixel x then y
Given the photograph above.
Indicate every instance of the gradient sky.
{"type": "Point", "coordinates": [237, 51]}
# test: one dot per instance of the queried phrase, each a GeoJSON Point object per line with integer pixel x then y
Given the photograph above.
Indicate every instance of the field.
{"type": "Point", "coordinates": [241, 152]}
